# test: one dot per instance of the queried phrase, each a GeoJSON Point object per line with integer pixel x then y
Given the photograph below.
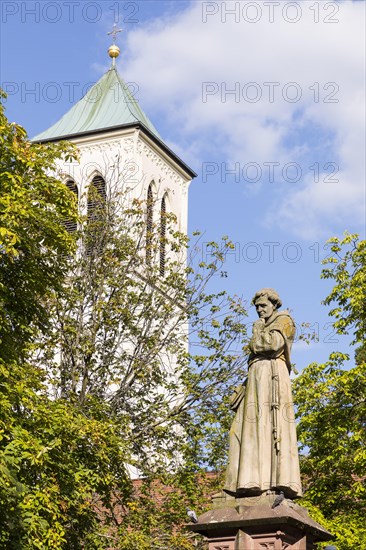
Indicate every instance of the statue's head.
{"type": "Point", "coordinates": [266, 302]}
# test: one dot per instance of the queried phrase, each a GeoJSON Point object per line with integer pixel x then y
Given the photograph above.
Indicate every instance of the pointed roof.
{"type": "Point", "coordinates": [108, 104]}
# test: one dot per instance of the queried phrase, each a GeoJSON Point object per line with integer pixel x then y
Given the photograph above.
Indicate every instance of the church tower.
{"type": "Point", "coordinates": [120, 147]}
{"type": "Point", "coordinates": [121, 153]}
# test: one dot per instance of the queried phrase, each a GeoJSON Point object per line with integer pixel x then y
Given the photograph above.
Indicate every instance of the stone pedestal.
{"type": "Point", "coordinates": [252, 524]}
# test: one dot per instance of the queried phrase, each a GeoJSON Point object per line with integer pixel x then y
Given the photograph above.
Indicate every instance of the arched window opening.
{"type": "Point", "coordinates": [71, 225]}
{"type": "Point", "coordinates": [149, 225]}
{"type": "Point", "coordinates": [162, 236]}
{"type": "Point", "coordinates": [96, 215]}
{"type": "Point", "coordinates": [97, 197]}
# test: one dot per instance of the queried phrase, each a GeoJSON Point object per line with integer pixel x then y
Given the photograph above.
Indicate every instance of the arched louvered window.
{"type": "Point", "coordinates": [94, 238]}
{"type": "Point", "coordinates": [149, 225]}
{"type": "Point", "coordinates": [96, 198]}
{"type": "Point", "coordinates": [162, 236]}
{"type": "Point", "coordinates": [71, 226]}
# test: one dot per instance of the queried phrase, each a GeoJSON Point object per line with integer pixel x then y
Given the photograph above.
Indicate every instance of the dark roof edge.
{"type": "Point", "coordinates": [138, 124]}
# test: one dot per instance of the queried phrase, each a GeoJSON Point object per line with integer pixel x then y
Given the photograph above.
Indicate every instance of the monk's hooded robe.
{"type": "Point", "coordinates": [263, 452]}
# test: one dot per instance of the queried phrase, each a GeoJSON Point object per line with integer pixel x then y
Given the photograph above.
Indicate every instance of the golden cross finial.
{"type": "Point", "coordinates": [114, 50]}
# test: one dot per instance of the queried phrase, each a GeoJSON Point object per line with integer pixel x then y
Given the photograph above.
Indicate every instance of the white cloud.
{"type": "Point", "coordinates": [172, 58]}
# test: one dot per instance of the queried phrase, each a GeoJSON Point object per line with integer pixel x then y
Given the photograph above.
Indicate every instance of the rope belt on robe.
{"type": "Point", "coordinates": [275, 410]}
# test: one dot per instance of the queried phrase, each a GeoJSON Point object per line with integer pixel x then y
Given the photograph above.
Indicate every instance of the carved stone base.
{"type": "Point", "coordinates": [252, 524]}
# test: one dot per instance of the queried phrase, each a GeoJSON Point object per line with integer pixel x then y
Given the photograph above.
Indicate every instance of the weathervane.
{"type": "Point", "coordinates": [113, 50]}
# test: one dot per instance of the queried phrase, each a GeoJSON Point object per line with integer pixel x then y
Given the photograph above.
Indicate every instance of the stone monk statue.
{"type": "Point", "coordinates": [263, 453]}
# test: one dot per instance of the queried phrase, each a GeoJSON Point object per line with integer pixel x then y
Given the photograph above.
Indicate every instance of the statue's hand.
{"type": "Point", "coordinates": [258, 328]}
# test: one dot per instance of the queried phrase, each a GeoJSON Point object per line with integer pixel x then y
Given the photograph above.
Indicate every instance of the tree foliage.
{"type": "Point", "coordinates": [331, 402]}
{"type": "Point", "coordinates": [54, 457]}
{"type": "Point", "coordinates": [347, 268]}
{"type": "Point", "coordinates": [33, 240]}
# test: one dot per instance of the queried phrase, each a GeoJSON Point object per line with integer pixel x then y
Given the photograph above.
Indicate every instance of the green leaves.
{"type": "Point", "coordinates": [332, 432]}
{"type": "Point", "coordinates": [348, 261]}
{"type": "Point", "coordinates": [331, 407]}
{"type": "Point", "coordinates": [55, 460]}
{"type": "Point", "coordinates": [33, 241]}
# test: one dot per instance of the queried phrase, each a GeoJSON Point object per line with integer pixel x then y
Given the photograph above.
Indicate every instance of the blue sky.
{"type": "Point", "coordinates": [264, 100]}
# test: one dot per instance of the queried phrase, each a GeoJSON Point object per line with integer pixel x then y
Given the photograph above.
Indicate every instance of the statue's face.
{"type": "Point", "coordinates": [264, 308]}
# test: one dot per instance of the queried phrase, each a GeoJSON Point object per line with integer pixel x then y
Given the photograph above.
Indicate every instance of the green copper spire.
{"type": "Point", "coordinates": [109, 103]}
